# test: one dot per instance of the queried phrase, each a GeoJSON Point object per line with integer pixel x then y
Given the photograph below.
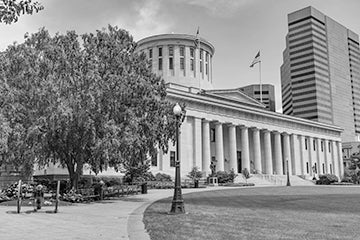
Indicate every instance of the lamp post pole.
{"type": "Point", "coordinates": [287, 172]}
{"type": "Point", "coordinates": [177, 205]}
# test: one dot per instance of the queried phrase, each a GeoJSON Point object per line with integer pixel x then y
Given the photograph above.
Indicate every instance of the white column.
{"type": "Point", "coordinates": [232, 147]}
{"type": "Point", "coordinates": [278, 168]}
{"type": "Point", "coordinates": [197, 144]}
{"type": "Point", "coordinates": [335, 161]}
{"type": "Point", "coordinates": [326, 156]}
{"type": "Point", "coordinates": [206, 156]}
{"type": "Point", "coordinates": [257, 150]}
{"type": "Point", "coordinates": [295, 154]}
{"type": "Point", "coordinates": [311, 159]}
{"type": "Point", "coordinates": [219, 147]}
{"type": "Point", "coordinates": [245, 155]}
{"type": "Point", "coordinates": [268, 152]}
{"type": "Point", "coordinates": [287, 154]}
{"type": "Point", "coordinates": [318, 155]}
{"type": "Point", "coordinates": [341, 161]}
{"type": "Point", "coordinates": [304, 157]}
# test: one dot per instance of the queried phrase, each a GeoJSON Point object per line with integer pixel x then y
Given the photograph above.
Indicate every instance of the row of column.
{"type": "Point", "coordinates": [272, 155]}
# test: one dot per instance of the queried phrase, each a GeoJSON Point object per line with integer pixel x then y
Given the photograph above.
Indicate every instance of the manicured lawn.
{"type": "Point", "coordinates": [260, 213]}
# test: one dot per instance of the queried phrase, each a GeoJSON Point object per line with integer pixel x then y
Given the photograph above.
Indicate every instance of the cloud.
{"type": "Point", "coordinates": [149, 19]}
{"type": "Point", "coordinates": [220, 8]}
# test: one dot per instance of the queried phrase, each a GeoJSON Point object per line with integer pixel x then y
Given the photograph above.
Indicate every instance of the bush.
{"type": "Point", "coordinates": [108, 180]}
{"type": "Point", "coordinates": [225, 177]}
{"type": "Point", "coordinates": [327, 179]}
{"type": "Point", "coordinates": [163, 177]}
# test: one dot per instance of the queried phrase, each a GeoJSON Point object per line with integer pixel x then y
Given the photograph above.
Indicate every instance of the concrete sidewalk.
{"type": "Point", "coordinates": [109, 219]}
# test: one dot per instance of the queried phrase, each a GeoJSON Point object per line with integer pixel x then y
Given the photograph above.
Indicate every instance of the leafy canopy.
{"type": "Point", "coordinates": [79, 100]}
{"type": "Point", "coordinates": [10, 10]}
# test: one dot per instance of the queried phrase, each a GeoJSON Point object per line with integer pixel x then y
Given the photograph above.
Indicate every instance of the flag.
{"type": "Point", "coordinates": [256, 59]}
{"type": "Point", "coordinates": [197, 39]}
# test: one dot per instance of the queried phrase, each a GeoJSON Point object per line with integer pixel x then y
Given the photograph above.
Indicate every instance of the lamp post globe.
{"type": "Point", "coordinates": [177, 205]}
{"type": "Point", "coordinates": [177, 110]}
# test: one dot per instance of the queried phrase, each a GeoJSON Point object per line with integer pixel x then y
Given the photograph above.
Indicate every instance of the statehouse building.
{"type": "Point", "coordinates": [230, 128]}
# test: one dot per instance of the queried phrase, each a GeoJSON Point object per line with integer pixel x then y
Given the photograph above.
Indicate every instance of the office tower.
{"type": "Point", "coordinates": [268, 94]}
{"type": "Point", "coordinates": [320, 75]}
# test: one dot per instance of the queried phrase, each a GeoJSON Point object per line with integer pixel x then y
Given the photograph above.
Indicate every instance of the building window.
{"type": "Point", "coordinates": [212, 134]}
{"type": "Point", "coordinates": [315, 168]}
{"type": "Point", "coordinates": [314, 144]}
{"type": "Point", "coordinates": [171, 57]}
{"type": "Point", "coordinates": [306, 143]}
{"type": "Point", "coordinates": [160, 59]}
{"type": "Point", "coordinates": [329, 146]}
{"type": "Point", "coordinates": [160, 64]}
{"type": "Point", "coordinates": [182, 58]}
{"type": "Point", "coordinates": [182, 63]}
{"type": "Point", "coordinates": [207, 63]}
{"type": "Point", "coordinates": [192, 61]}
{"type": "Point", "coordinates": [182, 51]}
{"type": "Point", "coordinates": [171, 63]}
{"type": "Point", "coordinates": [323, 167]}
{"type": "Point", "coordinates": [322, 146]}
{"type": "Point", "coordinates": [307, 167]}
{"type": "Point", "coordinates": [150, 57]}
{"type": "Point", "coordinates": [172, 158]}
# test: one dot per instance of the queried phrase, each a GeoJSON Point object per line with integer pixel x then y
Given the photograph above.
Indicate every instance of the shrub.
{"type": "Point", "coordinates": [245, 174]}
{"type": "Point", "coordinates": [195, 174]}
{"type": "Point", "coordinates": [163, 177]}
{"type": "Point", "coordinates": [225, 177]}
{"type": "Point", "coordinates": [327, 179]}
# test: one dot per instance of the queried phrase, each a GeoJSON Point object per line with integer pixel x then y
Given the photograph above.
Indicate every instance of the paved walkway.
{"type": "Point", "coordinates": [110, 219]}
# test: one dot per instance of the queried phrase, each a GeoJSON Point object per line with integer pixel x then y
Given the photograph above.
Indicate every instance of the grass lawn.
{"type": "Point", "coordinates": [319, 212]}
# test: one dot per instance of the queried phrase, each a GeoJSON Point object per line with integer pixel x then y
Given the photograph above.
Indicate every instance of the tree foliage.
{"type": "Point", "coordinates": [10, 10]}
{"type": "Point", "coordinates": [82, 100]}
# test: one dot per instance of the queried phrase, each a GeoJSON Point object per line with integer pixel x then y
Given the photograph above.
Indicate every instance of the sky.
{"type": "Point", "coordinates": [237, 28]}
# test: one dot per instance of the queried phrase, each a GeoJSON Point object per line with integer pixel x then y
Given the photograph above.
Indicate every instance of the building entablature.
{"type": "Point", "coordinates": [224, 110]}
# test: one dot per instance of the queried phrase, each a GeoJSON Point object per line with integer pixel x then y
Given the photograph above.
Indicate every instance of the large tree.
{"type": "Point", "coordinates": [10, 10]}
{"type": "Point", "coordinates": [76, 101]}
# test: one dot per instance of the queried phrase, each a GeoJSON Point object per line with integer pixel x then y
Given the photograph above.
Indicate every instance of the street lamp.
{"type": "Point", "coordinates": [177, 205]}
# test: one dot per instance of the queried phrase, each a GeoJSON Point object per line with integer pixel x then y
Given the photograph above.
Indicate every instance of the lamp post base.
{"type": "Point", "coordinates": [177, 207]}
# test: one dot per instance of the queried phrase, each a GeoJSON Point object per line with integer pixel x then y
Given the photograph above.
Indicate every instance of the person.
{"type": "Point", "coordinates": [38, 196]}
{"type": "Point", "coordinates": [213, 168]}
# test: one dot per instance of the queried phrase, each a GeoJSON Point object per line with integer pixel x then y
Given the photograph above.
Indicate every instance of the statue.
{"type": "Point", "coordinates": [213, 168]}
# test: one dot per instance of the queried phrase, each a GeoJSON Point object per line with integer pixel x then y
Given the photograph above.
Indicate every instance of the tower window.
{"type": "Point", "coordinates": [150, 53]}
{"type": "Point", "coordinates": [171, 51]}
{"type": "Point", "coordinates": [160, 64]}
{"type": "Point", "coordinates": [192, 60]}
{"type": "Point", "coordinates": [160, 59]}
{"type": "Point", "coordinates": [171, 59]}
{"type": "Point", "coordinates": [182, 58]}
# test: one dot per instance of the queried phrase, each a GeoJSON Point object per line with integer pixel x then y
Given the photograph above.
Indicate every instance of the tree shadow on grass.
{"type": "Point", "coordinates": [319, 203]}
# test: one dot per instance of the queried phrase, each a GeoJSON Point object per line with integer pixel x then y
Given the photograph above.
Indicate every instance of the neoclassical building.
{"type": "Point", "coordinates": [229, 128]}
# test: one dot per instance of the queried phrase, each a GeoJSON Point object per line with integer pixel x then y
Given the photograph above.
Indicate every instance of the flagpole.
{"type": "Point", "coordinates": [260, 81]}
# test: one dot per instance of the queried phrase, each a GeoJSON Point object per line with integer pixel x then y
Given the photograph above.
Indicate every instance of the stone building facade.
{"type": "Point", "coordinates": [229, 128]}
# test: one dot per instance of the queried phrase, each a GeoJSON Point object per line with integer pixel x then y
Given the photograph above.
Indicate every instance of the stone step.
{"type": "Point", "coordinates": [273, 180]}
